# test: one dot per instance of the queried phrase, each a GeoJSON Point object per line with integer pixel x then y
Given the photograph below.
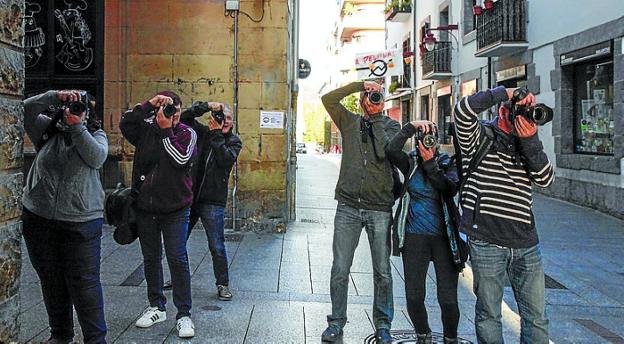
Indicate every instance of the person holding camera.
{"type": "Point", "coordinates": [425, 227]}
{"type": "Point", "coordinates": [365, 198]}
{"type": "Point", "coordinates": [164, 151]}
{"type": "Point", "coordinates": [63, 210]}
{"type": "Point", "coordinates": [218, 148]}
{"type": "Point", "coordinates": [496, 199]}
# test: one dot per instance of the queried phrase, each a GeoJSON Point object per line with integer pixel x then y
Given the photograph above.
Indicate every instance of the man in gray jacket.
{"type": "Point", "coordinates": [365, 199]}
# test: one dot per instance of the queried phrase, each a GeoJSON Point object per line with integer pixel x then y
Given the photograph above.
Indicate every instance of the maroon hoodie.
{"type": "Point", "coordinates": [162, 159]}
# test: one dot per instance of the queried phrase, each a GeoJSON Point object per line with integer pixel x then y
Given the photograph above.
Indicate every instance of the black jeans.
{"type": "Point", "coordinates": [173, 229]}
{"type": "Point", "coordinates": [66, 257]}
{"type": "Point", "coordinates": [418, 251]}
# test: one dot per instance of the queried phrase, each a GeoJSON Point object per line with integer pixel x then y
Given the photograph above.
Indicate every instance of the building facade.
{"type": "Point", "coordinates": [11, 160]}
{"type": "Point", "coordinates": [126, 51]}
{"type": "Point", "coordinates": [573, 64]}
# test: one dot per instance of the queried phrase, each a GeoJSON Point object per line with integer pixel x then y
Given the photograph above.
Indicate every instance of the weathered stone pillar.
{"type": "Point", "coordinates": [11, 154]}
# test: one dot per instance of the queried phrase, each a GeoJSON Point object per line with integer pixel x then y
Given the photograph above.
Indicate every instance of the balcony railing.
{"type": "Point", "coordinates": [436, 64]}
{"type": "Point", "coordinates": [399, 13]}
{"type": "Point", "coordinates": [502, 29]}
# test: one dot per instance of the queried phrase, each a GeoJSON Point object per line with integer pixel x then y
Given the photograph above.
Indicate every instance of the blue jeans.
{"type": "Point", "coordinates": [173, 227]}
{"type": "Point", "coordinates": [490, 263]}
{"type": "Point", "coordinates": [66, 257]}
{"type": "Point", "coordinates": [348, 224]}
{"type": "Point", "coordinates": [212, 219]}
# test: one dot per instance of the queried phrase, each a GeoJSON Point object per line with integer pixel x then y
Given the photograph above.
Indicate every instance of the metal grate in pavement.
{"type": "Point", "coordinates": [211, 308]}
{"type": "Point", "coordinates": [309, 221]}
{"type": "Point", "coordinates": [601, 331]}
{"type": "Point", "coordinates": [409, 336]}
{"type": "Point", "coordinates": [236, 237]}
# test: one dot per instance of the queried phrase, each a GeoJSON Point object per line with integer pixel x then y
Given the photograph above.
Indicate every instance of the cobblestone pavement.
{"type": "Point", "coordinates": [281, 281]}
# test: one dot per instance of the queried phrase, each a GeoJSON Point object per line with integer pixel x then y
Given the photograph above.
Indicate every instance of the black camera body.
{"type": "Point", "coordinates": [169, 110]}
{"type": "Point", "coordinates": [539, 114]}
{"type": "Point", "coordinates": [428, 140]}
{"type": "Point", "coordinates": [81, 105]}
{"type": "Point", "coordinates": [375, 97]}
{"type": "Point", "coordinates": [218, 116]}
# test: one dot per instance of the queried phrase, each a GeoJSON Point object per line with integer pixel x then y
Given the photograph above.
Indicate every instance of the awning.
{"type": "Point", "coordinates": [398, 95]}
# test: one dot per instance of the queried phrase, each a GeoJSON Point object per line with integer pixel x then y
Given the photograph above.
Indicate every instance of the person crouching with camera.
{"type": "Point", "coordinates": [64, 209]}
{"type": "Point", "coordinates": [164, 151]}
{"type": "Point", "coordinates": [497, 201]}
{"type": "Point", "coordinates": [424, 227]}
{"type": "Point", "coordinates": [218, 148]}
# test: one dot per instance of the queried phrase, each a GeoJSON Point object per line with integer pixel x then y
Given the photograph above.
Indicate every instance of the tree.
{"type": "Point", "coordinates": [314, 116]}
{"type": "Point", "coordinates": [351, 103]}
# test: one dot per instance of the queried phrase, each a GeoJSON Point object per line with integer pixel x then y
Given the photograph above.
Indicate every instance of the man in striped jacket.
{"type": "Point", "coordinates": [496, 201]}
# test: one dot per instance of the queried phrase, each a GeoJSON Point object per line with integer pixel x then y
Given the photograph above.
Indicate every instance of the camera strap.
{"type": "Point", "coordinates": [484, 146]}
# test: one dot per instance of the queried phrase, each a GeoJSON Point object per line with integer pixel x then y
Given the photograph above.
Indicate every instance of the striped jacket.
{"type": "Point", "coordinates": [162, 160]}
{"type": "Point", "coordinates": [497, 197]}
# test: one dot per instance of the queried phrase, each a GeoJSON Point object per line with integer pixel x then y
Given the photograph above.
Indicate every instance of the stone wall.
{"type": "Point", "coordinates": [11, 155]}
{"type": "Point", "coordinates": [187, 46]}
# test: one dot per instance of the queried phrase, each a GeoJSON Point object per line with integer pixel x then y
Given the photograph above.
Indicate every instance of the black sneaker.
{"type": "Point", "coordinates": [224, 293]}
{"type": "Point", "coordinates": [167, 285]}
{"type": "Point", "coordinates": [423, 338]}
{"type": "Point", "coordinates": [331, 333]}
{"type": "Point", "coordinates": [382, 336]}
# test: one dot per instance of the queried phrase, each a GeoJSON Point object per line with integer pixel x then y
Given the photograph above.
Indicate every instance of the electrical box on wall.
{"type": "Point", "coordinates": [232, 5]}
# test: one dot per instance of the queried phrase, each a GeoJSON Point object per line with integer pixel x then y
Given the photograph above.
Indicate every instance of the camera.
{"type": "Point", "coordinates": [169, 110]}
{"type": "Point", "coordinates": [375, 97]}
{"type": "Point", "coordinates": [218, 116]}
{"type": "Point", "coordinates": [540, 114]}
{"type": "Point", "coordinates": [79, 106]}
{"type": "Point", "coordinates": [428, 140]}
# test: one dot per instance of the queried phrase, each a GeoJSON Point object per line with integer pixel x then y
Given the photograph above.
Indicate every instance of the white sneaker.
{"type": "Point", "coordinates": [151, 316]}
{"type": "Point", "coordinates": [185, 326]}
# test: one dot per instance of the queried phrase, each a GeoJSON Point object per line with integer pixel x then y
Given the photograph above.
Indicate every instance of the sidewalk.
{"type": "Point", "coordinates": [281, 281]}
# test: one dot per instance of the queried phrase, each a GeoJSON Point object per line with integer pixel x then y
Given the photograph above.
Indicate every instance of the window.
{"type": "Point", "coordinates": [593, 107]}
{"type": "Point", "coordinates": [470, 20]}
{"type": "Point", "coordinates": [424, 108]}
{"type": "Point", "coordinates": [444, 119]}
{"type": "Point", "coordinates": [407, 71]}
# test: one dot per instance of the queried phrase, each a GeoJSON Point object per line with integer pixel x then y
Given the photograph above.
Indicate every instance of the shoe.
{"type": "Point", "coordinates": [382, 336]}
{"type": "Point", "coordinates": [151, 316]}
{"type": "Point", "coordinates": [423, 338]}
{"type": "Point", "coordinates": [451, 340]}
{"type": "Point", "coordinates": [331, 333]}
{"type": "Point", "coordinates": [167, 285]}
{"type": "Point", "coordinates": [224, 293]}
{"type": "Point", "coordinates": [186, 328]}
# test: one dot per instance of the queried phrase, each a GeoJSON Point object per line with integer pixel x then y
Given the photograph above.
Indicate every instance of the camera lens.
{"type": "Point", "coordinates": [375, 97]}
{"type": "Point", "coordinates": [219, 116]}
{"type": "Point", "coordinates": [169, 110]}
{"type": "Point", "coordinates": [429, 141]}
{"type": "Point", "coordinates": [541, 114]}
{"type": "Point", "coordinates": [76, 108]}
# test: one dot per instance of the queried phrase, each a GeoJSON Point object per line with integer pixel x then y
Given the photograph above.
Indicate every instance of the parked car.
{"type": "Point", "coordinates": [301, 148]}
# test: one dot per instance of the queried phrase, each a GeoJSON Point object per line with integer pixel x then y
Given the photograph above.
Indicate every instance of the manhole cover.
{"type": "Point", "coordinates": [409, 336]}
{"type": "Point", "coordinates": [309, 221]}
{"type": "Point", "coordinates": [211, 308]}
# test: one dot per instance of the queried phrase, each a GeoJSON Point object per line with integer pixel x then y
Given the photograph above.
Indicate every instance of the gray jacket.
{"type": "Point", "coordinates": [365, 180]}
{"type": "Point", "coordinates": [63, 183]}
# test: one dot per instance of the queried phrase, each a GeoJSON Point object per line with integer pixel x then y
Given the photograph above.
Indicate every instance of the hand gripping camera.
{"type": "Point", "coordinates": [169, 110]}
{"type": "Point", "coordinates": [218, 116]}
{"type": "Point", "coordinates": [79, 106]}
{"type": "Point", "coordinates": [428, 140]}
{"type": "Point", "coordinates": [540, 114]}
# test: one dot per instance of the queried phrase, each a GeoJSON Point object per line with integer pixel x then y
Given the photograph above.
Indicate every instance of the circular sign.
{"type": "Point", "coordinates": [304, 69]}
{"type": "Point", "coordinates": [378, 68]}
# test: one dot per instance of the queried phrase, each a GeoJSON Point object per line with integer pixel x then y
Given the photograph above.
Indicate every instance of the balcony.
{"type": "Point", "coordinates": [436, 64]}
{"type": "Point", "coordinates": [502, 30]}
{"type": "Point", "coordinates": [398, 13]}
{"type": "Point", "coordinates": [370, 19]}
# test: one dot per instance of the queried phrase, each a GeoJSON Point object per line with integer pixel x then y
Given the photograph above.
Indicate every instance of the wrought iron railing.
{"type": "Point", "coordinates": [438, 60]}
{"type": "Point", "coordinates": [505, 22]}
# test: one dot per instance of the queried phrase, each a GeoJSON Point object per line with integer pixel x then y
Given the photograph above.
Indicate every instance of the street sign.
{"type": "Point", "coordinates": [379, 64]}
{"type": "Point", "coordinates": [304, 68]}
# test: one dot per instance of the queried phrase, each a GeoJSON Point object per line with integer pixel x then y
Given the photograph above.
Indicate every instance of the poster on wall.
{"type": "Point", "coordinates": [271, 119]}
{"type": "Point", "coordinates": [379, 64]}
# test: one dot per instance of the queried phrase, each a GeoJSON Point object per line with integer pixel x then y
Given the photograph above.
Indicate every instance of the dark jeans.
{"type": "Point", "coordinates": [418, 251]}
{"type": "Point", "coordinates": [490, 264]}
{"type": "Point", "coordinates": [172, 228]}
{"type": "Point", "coordinates": [66, 257]}
{"type": "Point", "coordinates": [212, 219]}
{"type": "Point", "coordinates": [348, 224]}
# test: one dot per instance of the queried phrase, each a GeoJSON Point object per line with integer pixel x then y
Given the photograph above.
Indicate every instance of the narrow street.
{"type": "Point", "coordinates": [281, 281]}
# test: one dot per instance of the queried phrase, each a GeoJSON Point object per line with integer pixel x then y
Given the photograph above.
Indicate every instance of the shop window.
{"type": "Point", "coordinates": [593, 107]}
{"type": "Point", "coordinates": [424, 108]}
{"type": "Point", "coordinates": [444, 119]}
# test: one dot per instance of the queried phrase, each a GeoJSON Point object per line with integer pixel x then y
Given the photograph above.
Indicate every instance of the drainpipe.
{"type": "Point", "coordinates": [235, 119]}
